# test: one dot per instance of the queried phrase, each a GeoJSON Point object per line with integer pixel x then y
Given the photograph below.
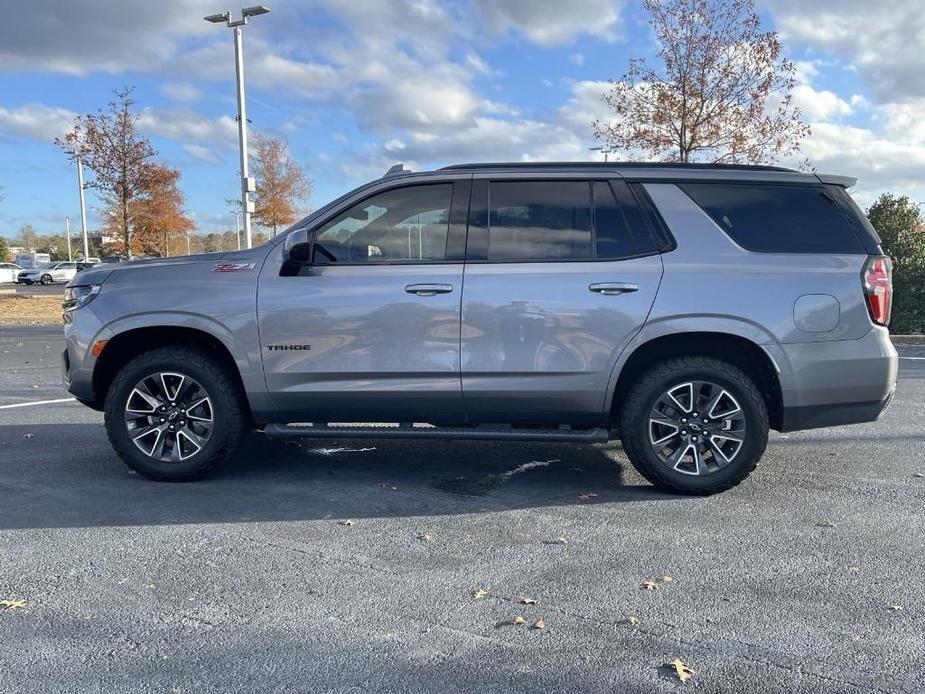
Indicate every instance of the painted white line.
{"type": "Point", "coordinates": [914, 358]}
{"type": "Point", "coordinates": [38, 402]}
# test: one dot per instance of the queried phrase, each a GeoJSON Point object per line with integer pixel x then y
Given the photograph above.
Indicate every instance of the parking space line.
{"type": "Point", "coordinates": [37, 402]}
{"type": "Point", "coordinates": [914, 358]}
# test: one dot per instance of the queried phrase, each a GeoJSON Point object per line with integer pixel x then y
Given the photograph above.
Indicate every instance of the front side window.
{"type": "Point", "coordinates": [539, 220]}
{"type": "Point", "coordinates": [400, 225]}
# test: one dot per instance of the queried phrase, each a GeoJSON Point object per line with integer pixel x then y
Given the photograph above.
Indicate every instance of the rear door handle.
{"type": "Point", "coordinates": [428, 289]}
{"type": "Point", "coordinates": [613, 287]}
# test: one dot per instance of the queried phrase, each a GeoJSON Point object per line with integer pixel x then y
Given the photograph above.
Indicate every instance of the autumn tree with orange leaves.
{"type": "Point", "coordinates": [158, 218]}
{"type": "Point", "coordinates": [282, 187]}
{"type": "Point", "coordinates": [721, 91]}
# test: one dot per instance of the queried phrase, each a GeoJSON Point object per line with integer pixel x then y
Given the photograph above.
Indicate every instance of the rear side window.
{"type": "Point", "coordinates": [778, 218]}
{"type": "Point", "coordinates": [620, 229]}
{"type": "Point", "coordinates": [539, 220]}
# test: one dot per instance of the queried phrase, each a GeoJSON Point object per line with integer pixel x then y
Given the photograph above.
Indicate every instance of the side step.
{"type": "Point", "coordinates": [428, 431]}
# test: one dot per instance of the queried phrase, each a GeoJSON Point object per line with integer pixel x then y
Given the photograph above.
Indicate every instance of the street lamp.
{"type": "Point", "coordinates": [603, 149]}
{"type": "Point", "coordinates": [247, 183]}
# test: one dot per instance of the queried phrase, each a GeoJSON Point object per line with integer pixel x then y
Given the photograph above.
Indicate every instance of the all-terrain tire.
{"type": "Point", "coordinates": [635, 427]}
{"type": "Point", "coordinates": [229, 411]}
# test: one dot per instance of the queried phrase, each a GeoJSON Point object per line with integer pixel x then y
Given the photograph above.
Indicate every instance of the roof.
{"type": "Point", "coordinates": [616, 166]}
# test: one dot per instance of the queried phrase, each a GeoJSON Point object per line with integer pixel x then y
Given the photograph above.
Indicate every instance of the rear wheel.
{"type": "Point", "coordinates": [174, 413]}
{"type": "Point", "coordinates": [46, 279]}
{"type": "Point", "coordinates": [694, 425]}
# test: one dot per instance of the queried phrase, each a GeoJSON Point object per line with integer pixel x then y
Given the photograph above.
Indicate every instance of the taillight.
{"type": "Point", "coordinates": [878, 288]}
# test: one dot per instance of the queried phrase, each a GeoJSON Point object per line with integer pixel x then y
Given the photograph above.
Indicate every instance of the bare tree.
{"type": "Point", "coordinates": [281, 184]}
{"type": "Point", "coordinates": [110, 146]}
{"type": "Point", "coordinates": [721, 93]}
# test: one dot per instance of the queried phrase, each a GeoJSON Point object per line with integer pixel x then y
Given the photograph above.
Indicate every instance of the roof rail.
{"type": "Point", "coordinates": [617, 165]}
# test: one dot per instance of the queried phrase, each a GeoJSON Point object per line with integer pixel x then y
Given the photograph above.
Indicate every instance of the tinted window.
{"type": "Point", "coordinates": [404, 224]}
{"type": "Point", "coordinates": [620, 229]}
{"type": "Point", "coordinates": [778, 219]}
{"type": "Point", "coordinates": [539, 220]}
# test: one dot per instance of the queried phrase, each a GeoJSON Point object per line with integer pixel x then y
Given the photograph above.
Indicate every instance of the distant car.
{"type": "Point", "coordinates": [92, 260]}
{"type": "Point", "coordinates": [48, 274]}
{"type": "Point", "coordinates": [9, 272]}
{"type": "Point", "coordinates": [30, 261]}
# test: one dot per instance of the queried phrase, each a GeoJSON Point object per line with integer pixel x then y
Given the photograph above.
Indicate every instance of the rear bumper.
{"type": "Point", "coordinates": [817, 416]}
{"type": "Point", "coordinates": [840, 382]}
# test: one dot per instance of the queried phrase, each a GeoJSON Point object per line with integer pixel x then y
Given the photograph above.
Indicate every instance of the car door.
{"type": "Point", "coordinates": [362, 323]}
{"type": "Point", "coordinates": [560, 275]}
{"type": "Point", "coordinates": [64, 272]}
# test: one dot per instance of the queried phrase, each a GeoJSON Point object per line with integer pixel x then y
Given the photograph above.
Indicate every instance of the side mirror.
{"type": "Point", "coordinates": [297, 252]}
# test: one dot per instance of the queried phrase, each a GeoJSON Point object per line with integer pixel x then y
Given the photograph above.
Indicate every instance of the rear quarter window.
{"type": "Point", "coordinates": [779, 218]}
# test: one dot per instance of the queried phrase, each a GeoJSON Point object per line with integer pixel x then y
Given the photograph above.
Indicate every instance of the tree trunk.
{"type": "Point", "coordinates": [125, 232]}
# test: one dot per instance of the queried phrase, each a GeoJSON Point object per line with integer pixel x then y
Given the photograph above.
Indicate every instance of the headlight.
{"type": "Point", "coordinates": [75, 297]}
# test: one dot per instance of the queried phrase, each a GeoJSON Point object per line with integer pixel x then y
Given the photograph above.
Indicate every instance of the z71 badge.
{"type": "Point", "coordinates": [228, 266]}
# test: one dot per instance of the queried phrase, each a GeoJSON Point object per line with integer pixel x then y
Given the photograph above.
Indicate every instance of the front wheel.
{"type": "Point", "coordinates": [46, 279]}
{"type": "Point", "coordinates": [694, 425]}
{"type": "Point", "coordinates": [174, 413]}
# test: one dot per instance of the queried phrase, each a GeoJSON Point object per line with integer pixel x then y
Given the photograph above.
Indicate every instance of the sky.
{"type": "Point", "coordinates": [355, 86]}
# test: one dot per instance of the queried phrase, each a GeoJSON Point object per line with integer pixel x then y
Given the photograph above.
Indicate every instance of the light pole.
{"type": "Point", "coordinates": [83, 206]}
{"type": "Point", "coordinates": [67, 231]}
{"type": "Point", "coordinates": [237, 228]}
{"type": "Point", "coordinates": [247, 183]}
{"type": "Point", "coordinates": [603, 149]}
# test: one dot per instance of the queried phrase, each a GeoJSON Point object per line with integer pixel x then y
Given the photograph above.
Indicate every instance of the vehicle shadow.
{"type": "Point", "coordinates": [68, 476]}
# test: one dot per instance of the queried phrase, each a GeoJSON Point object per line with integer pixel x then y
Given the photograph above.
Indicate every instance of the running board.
{"type": "Point", "coordinates": [428, 431]}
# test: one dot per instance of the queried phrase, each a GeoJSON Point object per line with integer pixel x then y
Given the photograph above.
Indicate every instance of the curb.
{"type": "Point", "coordinates": [908, 339]}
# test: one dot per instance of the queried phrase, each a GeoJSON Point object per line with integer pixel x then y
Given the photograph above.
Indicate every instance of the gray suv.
{"type": "Point", "coordinates": [684, 309]}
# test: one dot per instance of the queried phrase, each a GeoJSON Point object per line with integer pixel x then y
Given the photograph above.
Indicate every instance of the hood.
{"type": "Point", "coordinates": [99, 273]}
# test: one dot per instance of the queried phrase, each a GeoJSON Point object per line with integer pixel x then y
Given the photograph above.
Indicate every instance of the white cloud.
{"type": "Point", "coordinates": [551, 22]}
{"type": "Point", "coordinates": [36, 121]}
{"type": "Point", "coordinates": [881, 40]}
{"type": "Point", "coordinates": [187, 125]}
{"type": "Point", "coordinates": [577, 59]}
{"type": "Point", "coordinates": [820, 105]}
{"type": "Point", "coordinates": [180, 91]}
{"type": "Point", "coordinates": [79, 37]}
{"type": "Point", "coordinates": [203, 153]}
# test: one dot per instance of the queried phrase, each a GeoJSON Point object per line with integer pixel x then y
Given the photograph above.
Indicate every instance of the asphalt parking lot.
{"type": "Point", "coordinates": [807, 577]}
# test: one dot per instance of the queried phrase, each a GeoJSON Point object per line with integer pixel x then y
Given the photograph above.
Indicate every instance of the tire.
{"type": "Point", "coordinates": [722, 463]}
{"type": "Point", "coordinates": [46, 279]}
{"type": "Point", "coordinates": [226, 407]}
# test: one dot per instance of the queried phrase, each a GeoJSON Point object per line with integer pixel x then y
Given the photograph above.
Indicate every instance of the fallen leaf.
{"type": "Point", "coordinates": [13, 604]}
{"type": "Point", "coordinates": [479, 594]}
{"type": "Point", "coordinates": [557, 541]}
{"type": "Point", "coordinates": [666, 579]}
{"type": "Point", "coordinates": [528, 601]}
{"type": "Point", "coordinates": [895, 608]}
{"type": "Point", "coordinates": [632, 620]}
{"type": "Point", "coordinates": [539, 624]}
{"type": "Point", "coordinates": [424, 537]}
{"type": "Point", "coordinates": [828, 524]}
{"type": "Point", "coordinates": [680, 669]}
{"type": "Point", "coordinates": [587, 496]}
{"type": "Point", "coordinates": [518, 620]}
{"type": "Point", "coordinates": [919, 474]}
{"type": "Point", "coordinates": [28, 436]}
{"type": "Point", "coordinates": [348, 522]}
{"type": "Point", "coordinates": [650, 585]}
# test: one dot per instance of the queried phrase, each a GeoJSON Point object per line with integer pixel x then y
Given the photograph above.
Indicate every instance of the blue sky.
{"type": "Point", "coordinates": [355, 86]}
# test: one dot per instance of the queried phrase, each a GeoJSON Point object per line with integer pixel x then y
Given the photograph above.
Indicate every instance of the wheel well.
{"type": "Point", "coordinates": [126, 346]}
{"type": "Point", "coordinates": [738, 351]}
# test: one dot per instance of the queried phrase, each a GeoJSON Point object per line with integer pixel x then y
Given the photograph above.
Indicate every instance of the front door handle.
{"type": "Point", "coordinates": [428, 289]}
{"type": "Point", "coordinates": [613, 287]}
